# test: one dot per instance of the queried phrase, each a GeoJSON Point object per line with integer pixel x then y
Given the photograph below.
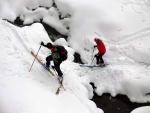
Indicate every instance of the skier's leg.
{"type": "Point", "coordinates": [48, 59]}
{"type": "Point", "coordinates": [100, 57]}
{"type": "Point", "coordinates": [59, 71]}
{"type": "Point", "coordinates": [97, 59]}
{"type": "Point", "coordinates": [57, 68]}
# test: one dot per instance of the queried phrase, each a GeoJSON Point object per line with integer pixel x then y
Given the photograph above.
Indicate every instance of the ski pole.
{"type": "Point", "coordinates": [35, 58]}
{"type": "Point", "coordinates": [92, 59]}
{"type": "Point", "coordinates": [91, 64]}
{"type": "Point", "coordinates": [93, 52]}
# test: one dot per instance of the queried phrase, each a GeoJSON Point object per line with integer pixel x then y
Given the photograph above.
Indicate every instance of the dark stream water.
{"type": "Point", "coordinates": [118, 104]}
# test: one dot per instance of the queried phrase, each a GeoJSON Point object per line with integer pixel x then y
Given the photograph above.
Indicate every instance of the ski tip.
{"type": "Point", "coordinates": [57, 92]}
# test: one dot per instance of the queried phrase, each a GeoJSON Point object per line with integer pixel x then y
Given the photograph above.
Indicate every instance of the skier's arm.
{"type": "Point", "coordinates": [98, 53]}
{"type": "Point", "coordinates": [42, 43]}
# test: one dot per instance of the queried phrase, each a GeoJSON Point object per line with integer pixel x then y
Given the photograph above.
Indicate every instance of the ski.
{"type": "Point", "coordinates": [60, 82]}
{"type": "Point", "coordinates": [40, 61]}
{"type": "Point", "coordinates": [61, 86]}
{"type": "Point", "coordinates": [92, 66]}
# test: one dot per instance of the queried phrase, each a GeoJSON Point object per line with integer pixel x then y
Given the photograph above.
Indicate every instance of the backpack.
{"type": "Point", "coordinates": [62, 52]}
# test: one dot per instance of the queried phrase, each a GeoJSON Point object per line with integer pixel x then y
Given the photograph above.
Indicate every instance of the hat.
{"type": "Point", "coordinates": [96, 39]}
{"type": "Point", "coordinates": [49, 45]}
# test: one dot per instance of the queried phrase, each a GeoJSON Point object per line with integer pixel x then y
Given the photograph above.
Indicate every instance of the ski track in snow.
{"type": "Point", "coordinates": [135, 36]}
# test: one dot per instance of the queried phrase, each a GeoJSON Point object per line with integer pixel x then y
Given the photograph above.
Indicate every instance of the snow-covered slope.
{"type": "Point", "coordinates": [34, 92]}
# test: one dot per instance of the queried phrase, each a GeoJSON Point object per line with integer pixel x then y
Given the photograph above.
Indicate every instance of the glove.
{"type": "Point", "coordinates": [42, 43]}
{"type": "Point", "coordinates": [53, 67]}
{"type": "Point", "coordinates": [94, 46]}
{"type": "Point", "coordinates": [96, 55]}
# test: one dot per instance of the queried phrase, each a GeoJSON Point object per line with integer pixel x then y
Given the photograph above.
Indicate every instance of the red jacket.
{"type": "Point", "coordinates": [101, 47]}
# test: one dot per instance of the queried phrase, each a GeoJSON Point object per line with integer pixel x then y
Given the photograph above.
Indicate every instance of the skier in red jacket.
{"type": "Point", "coordinates": [101, 51]}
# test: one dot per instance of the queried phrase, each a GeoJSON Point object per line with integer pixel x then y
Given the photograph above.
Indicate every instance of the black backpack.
{"type": "Point", "coordinates": [62, 52]}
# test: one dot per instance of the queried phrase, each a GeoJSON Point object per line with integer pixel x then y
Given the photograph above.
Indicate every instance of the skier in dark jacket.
{"type": "Point", "coordinates": [101, 51]}
{"type": "Point", "coordinates": [56, 56]}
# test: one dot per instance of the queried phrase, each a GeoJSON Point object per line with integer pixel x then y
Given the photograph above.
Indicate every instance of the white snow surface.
{"type": "Point", "coordinates": [144, 109]}
{"type": "Point", "coordinates": [124, 28]}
